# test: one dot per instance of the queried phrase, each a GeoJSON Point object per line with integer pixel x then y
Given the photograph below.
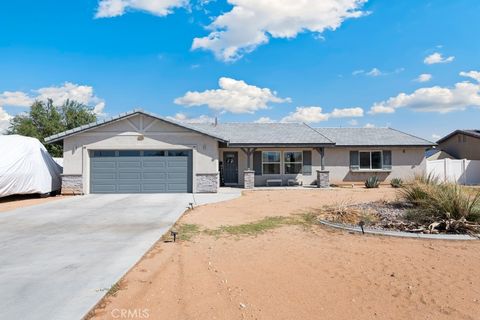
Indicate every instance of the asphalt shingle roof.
{"type": "Point", "coordinates": [372, 137]}
{"type": "Point", "coordinates": [266, 133]}
{"type": "Point", "coordinates": [262, 134]}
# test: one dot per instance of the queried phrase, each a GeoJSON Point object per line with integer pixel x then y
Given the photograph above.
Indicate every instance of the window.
{"type": "Point", "coordinates": [293, 161]}
{"type": "Point", "coordinates": [104, 153]}
{"type": "Point", "coordinates": [154, 153]}
{"type": "Point", "coordinates": [371, 160]}
{"type": "Point", "coordinates": [177, 153]}
{"type": "Point", "coordinates": [271, 162]}
{"type": "Point", "coordinates": [128, 153]}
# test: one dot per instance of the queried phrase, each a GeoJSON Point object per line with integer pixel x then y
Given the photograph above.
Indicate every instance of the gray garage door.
{"type": "Point", "coordinates": [148, 171]}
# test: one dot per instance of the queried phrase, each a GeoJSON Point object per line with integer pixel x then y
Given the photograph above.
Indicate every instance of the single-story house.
{"type": "Point", "coordinates": [461, 144]}
{"type": "Point", "coordinates": [138, 152]}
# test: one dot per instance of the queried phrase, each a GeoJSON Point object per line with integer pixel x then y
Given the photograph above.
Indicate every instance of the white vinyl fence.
{"type": "Point", "coordinates": [458, 171]}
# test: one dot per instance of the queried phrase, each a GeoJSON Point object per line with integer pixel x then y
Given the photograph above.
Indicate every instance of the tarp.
{"type": "Point", "coordinates": [26, 167]}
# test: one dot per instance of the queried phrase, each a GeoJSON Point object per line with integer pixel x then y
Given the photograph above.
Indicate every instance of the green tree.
{"type": "Point", "coordinates": [45, 119]}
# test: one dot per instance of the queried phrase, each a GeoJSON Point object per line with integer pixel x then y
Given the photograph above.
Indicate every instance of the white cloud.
{"type": "Point", "coordinates": [353, 122]}
{"type": "Point", "coordinates": [15, 99]}
{"type": "Point", "coordinates": [251, 23]}
{"type": "Point", "coordinates": [434, 99]}
{"type": "Point", "coordinates": [475, 75]}
{"type": "Point", "coordinates": [315, 114]}
{"type": "Point", "coordinates": [264, 120]}
{"type": "Point", "coordinates": [424, 77]}
{"type": "Point", "coordinates": [347, 113]}
{"type": "Point", "coordinates": [437, 57]}
{"type": "Point", "coordinates": [234, 96]}
{"type": "Point", "coordinates": [80, 93]}
{"type": "Point", "coordinates": [306, 114]}
{"type": "Point", "coordinates": [4, 120]}
{"type": "Point", "coordinates": [181, 117]}
{"type": "Point", "coordinates": [375, 72]}
{"type": "Point", "coordinates": [436, 136]}
{"type": "Point", "coordinates": [71, 91]}
{"type": "Point", "coordinates": [114, 8]}
{"type": "Point", "coordinates": [369, 125]}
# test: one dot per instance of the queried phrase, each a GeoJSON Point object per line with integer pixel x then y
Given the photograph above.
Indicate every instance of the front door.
{"type": "Point", "coordinates": [230, 167]}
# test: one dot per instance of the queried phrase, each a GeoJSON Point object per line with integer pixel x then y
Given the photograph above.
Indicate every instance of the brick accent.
{"type": "Point", "coordinates": [72, 184]}
{"type": "Point", "coordinates": [207, 183]}
{"type": "Point", "coordinates": [249, 179]}
{"type": "Point", "coordinates": [323, 179]}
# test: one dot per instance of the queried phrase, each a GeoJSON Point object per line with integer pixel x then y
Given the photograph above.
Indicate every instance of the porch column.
{"type": "Point", "coordinates": [249, 152]}
{"type": "Point", "coordinates": [249, 174]}
{"type": "Point", "coordinates": [322, 157]}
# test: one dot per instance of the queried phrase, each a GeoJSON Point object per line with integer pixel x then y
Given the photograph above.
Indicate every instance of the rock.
{"type": "Point", "coordinates": [242, 305]}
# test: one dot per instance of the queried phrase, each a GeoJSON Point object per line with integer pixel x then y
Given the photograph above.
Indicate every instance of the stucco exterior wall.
{"type": "Point", "coordinates": [467, 148]}
{"type": "Point", "coordinates": [406, 163]}
{"type": "Point", "coordinates": [139, 133]}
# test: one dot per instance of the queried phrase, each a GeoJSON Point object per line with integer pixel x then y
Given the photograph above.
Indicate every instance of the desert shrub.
{"type": "Point", "coordinates": [415, 192]}
{"type": "Point", "coordinates": [396, 182]}
{"type": "Point", "coordinates": [372, 182]}
{"type": "Point", "coordinates": [434, 201]}
{"type": "Point", "coordinates": [429, 179]}
{"type": "Point", "coordinates": [452, 201]}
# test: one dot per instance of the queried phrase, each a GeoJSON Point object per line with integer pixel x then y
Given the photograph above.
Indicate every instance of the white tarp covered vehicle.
{"type": "Point", "coordinates": [26, 167]}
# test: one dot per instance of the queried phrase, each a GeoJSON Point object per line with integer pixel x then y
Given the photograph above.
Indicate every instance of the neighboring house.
{"type": "Point", "coordinates": [462, 144]}
{"type": "Point", "coordinates": [435, 154]}
{"type": "Point", "coordinates": [144, 153]}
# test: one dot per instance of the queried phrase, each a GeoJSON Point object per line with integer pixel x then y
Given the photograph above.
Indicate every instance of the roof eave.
{"type": "Point", "coordinates": [63, 135]}
{"type": "Point", "coordinates": [279, 145]}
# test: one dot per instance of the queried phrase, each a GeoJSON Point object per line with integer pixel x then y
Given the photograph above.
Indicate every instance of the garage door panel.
{"type": "Point", "coordinates": [108, 188]}
{"type": "Point", "coordinates": [177, 176]}
{"type": "Point", "coordinates": [154, 175]}
{"type": "Point", "coordinates": [104, 164]}
{"type": "Point", "coordinates": [156, 162]}
{"type": "Point", "coordinates": [140, 174]}
{"type": "Point", "coordinates": [176, 187]}
{"type": "Point", "coordinates": [128, 188]}
{"type": "Point", "coordinates": [130, 175]}
{"type": "Point", "coordinates": [105, 175]}
{"type": "Point", "coordinates": [154, 187]}
{"type": "Point", "coordinates": [129, 164]}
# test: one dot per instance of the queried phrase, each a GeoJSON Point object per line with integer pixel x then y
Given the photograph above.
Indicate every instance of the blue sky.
{"type": "Point", "coordinates": [330, 63]}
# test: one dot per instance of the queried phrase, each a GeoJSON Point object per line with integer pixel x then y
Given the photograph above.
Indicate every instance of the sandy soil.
{"type": "Point", "coordinates": [295, 272]}
{"type": "Point", "coordinates": [20, 201]}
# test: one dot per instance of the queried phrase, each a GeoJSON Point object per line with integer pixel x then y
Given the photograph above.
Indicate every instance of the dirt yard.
{"type": "Point", "coordinates": [20, 201]}
{"type": "Point", "coordinates": [289, 268]}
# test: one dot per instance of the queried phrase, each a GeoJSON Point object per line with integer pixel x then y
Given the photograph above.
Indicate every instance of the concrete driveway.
{"type": "Point", "coordinates": [58, 259]}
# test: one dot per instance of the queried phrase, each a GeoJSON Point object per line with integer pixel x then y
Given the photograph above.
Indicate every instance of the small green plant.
{"type": "Point", "coordinates": [187, 231]}
{"type": "Point", "coordinates": [114, 289]}
{"type": "Point", "coordinates": [396, 183]}
{"type": "Point", "coordinates": [372, 182]}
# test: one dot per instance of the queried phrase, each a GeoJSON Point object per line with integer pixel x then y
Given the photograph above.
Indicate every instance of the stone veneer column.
{"type": "Point", "coordinates": [323, 179]}
{"type": "Point", "coordinates": [72, 184]}
{"type": "Point", "coordinates": [207, 183]}
{"type": "Point", "coordinates": [249, 179]}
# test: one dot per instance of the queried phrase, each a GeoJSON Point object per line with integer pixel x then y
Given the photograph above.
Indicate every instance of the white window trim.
{"type": "Point", "coordinates": [371, 169]}
{"type": "Point", "coordinates": [285, 162]}
{"type": "Point", "coordinates": [269, 162]}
